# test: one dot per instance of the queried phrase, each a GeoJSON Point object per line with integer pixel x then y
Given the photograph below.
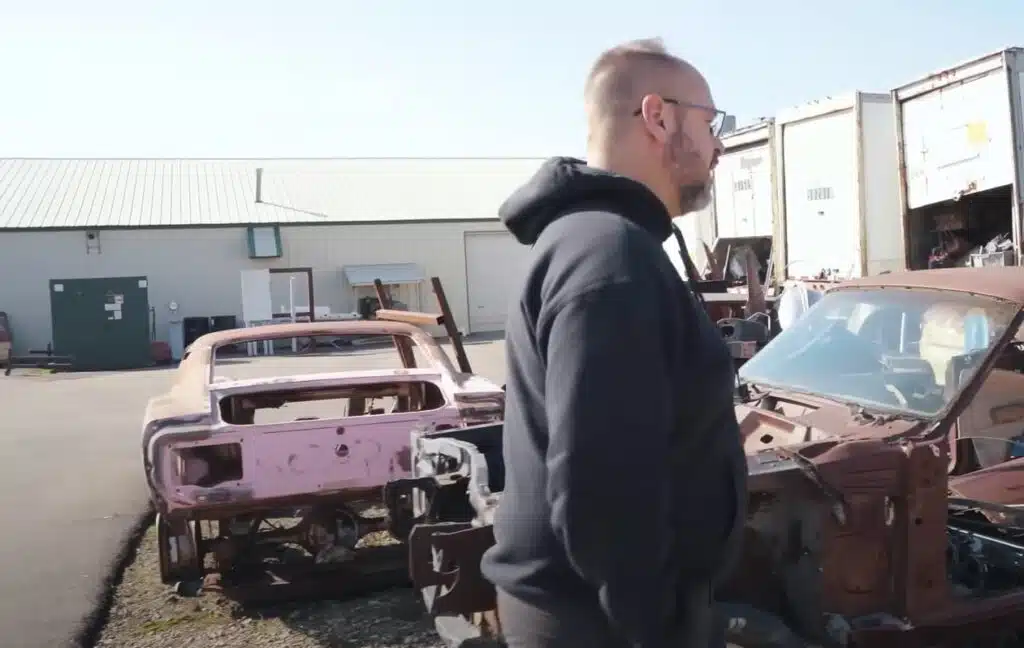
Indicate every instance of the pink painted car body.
{"type": "Point", "coordinates": [186, 438]}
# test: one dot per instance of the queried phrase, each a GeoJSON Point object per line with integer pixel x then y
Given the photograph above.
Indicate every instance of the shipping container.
{"type": "Point", "coordinates": [959, 135]}
{"type": "Point", "coordinates": [840, 208]}
{"type": "Point", "coordinates": [745, 182]}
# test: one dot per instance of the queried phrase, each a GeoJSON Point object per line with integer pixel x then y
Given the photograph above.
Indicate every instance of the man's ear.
{"type": "Point", "coordinates": [653, 113]}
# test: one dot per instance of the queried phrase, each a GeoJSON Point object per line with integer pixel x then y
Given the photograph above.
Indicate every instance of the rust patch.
{"type": "Point", "coordinates": [404, 459]}
{"type": "Point", "coordinates": [1001, 282]}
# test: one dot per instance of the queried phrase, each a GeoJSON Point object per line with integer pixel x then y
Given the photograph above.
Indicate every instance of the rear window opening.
{"type": "Point", "coordinates": [973, 231]}
{"type": "Point", "coordinates": [284, 406]}
{"type": "Point", "coordinates": [312, 355]}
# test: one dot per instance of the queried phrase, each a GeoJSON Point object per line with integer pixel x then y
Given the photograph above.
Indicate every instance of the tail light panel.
{"type": "Point", "coordinates": [476, 409]}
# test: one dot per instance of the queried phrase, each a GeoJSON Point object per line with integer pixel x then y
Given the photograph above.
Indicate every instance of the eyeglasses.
{"type": "Point", "coordinates": [717, 123]}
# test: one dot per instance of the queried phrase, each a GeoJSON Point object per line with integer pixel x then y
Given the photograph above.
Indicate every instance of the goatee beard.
{"type": "Point", "coordinates": [693, 198]}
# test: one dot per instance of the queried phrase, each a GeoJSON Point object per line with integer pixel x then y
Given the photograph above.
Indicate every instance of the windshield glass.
{"type": "Point", "coordinates": [899, 350]}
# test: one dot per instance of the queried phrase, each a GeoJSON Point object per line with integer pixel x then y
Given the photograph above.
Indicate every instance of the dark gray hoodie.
{"type": "Point", "coordinates": [625, 474]}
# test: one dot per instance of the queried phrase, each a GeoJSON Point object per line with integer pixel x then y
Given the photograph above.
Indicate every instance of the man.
{"type": "Point", "coordinates": [624, 471]}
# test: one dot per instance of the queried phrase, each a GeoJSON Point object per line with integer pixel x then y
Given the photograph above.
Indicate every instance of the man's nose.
{"type": "Point", "coordinates": [719, 149]}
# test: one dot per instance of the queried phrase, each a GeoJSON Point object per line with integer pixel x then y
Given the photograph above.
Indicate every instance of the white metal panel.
{"type": "Point", "coordinates": [705, 228]}
{"type": "Point", "coordinates": [697, 228]}
{"type": "Point", "coordinates": [1018, 190]}
{"type": "Point", "coordinates": [818, 108]}
{"type": "Point", "coordinates": [495, 266]}
{"type": "Point", "coordinates": [880, 190]}
{"type": "Point", "coordinates": [820, 168]}
{"type": "Point", "coordinates": [689, 231]}
{"type": "Point", "coordinates": [256, 300]}
{"type": "Point", "coordinates": [743, 193]}
{"type": "Point", "coordinates": [958, 138]}
{"type": "Point", "coordinates": [756, 133]}
{"type": "Point", "coordinates": [956, 73]}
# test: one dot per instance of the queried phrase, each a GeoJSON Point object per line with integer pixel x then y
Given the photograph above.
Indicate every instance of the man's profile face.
{"type": "Point", "coordinates": [692, 149]}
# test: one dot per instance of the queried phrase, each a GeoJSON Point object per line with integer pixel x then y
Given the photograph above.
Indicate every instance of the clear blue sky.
{"type": "Point", "coordinates": [253, 78]}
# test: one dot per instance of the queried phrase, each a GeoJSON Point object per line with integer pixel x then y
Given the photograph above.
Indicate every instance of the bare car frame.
{"type": "Point", "coordinates": [884, 435]}
{"type": "Point", "coordinates": [210, 456]}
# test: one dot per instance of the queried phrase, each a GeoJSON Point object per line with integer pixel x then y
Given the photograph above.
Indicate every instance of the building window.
{"type": "Point", "coordinates": [264, 241]}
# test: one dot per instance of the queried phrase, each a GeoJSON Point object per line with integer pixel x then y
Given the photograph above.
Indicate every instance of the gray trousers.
{"type": "Point", "coordinates": [570, 625]}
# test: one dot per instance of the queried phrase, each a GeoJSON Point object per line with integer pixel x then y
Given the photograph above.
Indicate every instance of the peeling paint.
{"type": "Point", "coordinates": [404, 459]}
{"type": "Point", "coordinates": [298, 458]}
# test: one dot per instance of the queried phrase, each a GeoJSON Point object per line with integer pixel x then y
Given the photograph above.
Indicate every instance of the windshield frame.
{"type": "Point", "coordinates": [957, 402]}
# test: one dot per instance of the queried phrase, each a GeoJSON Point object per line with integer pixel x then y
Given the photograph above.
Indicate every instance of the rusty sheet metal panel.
{"type": "Point", "coordinates": [957, 133]}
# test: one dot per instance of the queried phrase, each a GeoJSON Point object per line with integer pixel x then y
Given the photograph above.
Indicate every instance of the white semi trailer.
{"type": "Point", "coordinates": [960, 153]}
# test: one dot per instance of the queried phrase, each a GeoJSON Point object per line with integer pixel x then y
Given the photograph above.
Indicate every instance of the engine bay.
{"type": "Point", "coordinates": [828, 562]}
{"type": "Point", "coordinates": [846, 543]}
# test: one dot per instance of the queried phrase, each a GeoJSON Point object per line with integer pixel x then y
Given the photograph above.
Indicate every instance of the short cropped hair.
{"type": "Point", "coordinates": [622, 75]}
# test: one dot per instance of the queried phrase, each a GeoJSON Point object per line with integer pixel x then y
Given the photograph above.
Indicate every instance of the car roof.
{"type": "Point", "coordinates": [1000, 282]}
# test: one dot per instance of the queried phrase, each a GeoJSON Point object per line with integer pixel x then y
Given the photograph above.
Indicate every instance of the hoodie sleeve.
{"type": "Point", "coordinates": [610, 424]}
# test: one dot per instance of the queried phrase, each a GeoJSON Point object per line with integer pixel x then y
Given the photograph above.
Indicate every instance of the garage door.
{"type": "Point", "coordinates": [495, 266]}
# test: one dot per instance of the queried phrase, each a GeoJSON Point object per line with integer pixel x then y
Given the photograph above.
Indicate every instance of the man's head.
{"type": "Point", "coordinates": [651, 117]}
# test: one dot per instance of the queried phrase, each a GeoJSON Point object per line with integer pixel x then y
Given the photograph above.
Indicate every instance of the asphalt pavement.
{"type": "Point", "coordinates": [72, 492]}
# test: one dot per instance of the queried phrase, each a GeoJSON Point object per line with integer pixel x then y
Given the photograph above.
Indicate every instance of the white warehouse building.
{"type": "Point", "coordinates": [92, 248]}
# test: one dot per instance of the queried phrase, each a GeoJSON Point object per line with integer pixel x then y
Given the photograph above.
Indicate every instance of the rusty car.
{"type": "Point", "coordinates": [230, 459]}
{"type": "Point", "coordinates": [884, 432]}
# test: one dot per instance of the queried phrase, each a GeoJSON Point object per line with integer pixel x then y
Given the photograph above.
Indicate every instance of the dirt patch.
{"type": "Point", "coordinates": [148, 614]}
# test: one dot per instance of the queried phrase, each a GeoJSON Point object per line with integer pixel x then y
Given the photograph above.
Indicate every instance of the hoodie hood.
{"type": "Point", "coordinates": [563, 185]}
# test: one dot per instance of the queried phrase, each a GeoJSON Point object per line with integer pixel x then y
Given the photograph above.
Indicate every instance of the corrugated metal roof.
{"type": "Point", "coordinates": [49, 193]}
{"type": "Point", "coordinates": [388, 273]}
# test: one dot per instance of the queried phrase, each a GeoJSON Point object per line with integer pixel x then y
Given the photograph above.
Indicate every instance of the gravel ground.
{"type": "Point", "coordinates": [148, 614]}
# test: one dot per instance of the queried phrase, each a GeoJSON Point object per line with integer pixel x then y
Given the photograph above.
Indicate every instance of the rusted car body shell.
{"type": "Point", "coordinates": [805, 418]}
{"type": "Point", "coordinates": [294, 462]}
{"type": "Point", "coordinates": [1000, 282]}
{"type": "Point", "coordinates": [848, 514]}
{"type": "Point", "coordinates": [870, 553]}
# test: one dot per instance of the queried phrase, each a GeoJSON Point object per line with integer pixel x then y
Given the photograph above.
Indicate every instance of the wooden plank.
{"type": "Point", "coordinates": [402, 344]}
{"type": "Point", "coordinates": [739, 299]}
{"type": "Point", "coordinates": [410, 317]}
